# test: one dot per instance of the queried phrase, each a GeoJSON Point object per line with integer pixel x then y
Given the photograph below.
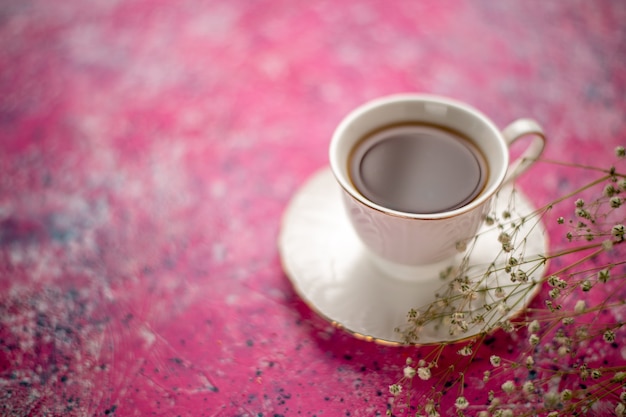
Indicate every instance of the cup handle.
{"type": "Point", "coordinates": [517, 130]}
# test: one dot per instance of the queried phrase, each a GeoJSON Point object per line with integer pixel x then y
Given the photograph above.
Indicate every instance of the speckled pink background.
{"type": "Point", "coordinates": [147, 152]}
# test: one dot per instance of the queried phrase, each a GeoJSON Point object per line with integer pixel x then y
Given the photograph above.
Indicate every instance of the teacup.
{"type": "Point", "coordinates": [402, 241]}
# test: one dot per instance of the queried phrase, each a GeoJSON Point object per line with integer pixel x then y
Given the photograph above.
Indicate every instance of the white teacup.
{"type": "Point", "coordinates": [403, 243]}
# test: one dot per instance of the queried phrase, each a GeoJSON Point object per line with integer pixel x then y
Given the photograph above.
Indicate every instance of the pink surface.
{"type": "Point", "coordinates": [148, 150]}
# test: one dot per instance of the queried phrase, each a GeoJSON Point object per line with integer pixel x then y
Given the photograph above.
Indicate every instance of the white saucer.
{"type": "Point", "coordinates": [332, 272]}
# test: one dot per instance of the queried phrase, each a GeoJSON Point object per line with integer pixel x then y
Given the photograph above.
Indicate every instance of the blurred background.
{"type": "Point", "coordinates": [148, 149]}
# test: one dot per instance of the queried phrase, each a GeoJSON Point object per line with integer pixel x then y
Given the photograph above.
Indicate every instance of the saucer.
{"type": "Point", "coordinates": [333, 273]}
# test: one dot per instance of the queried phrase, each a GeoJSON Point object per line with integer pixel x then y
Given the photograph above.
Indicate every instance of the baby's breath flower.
{"type": "Point", "coordinates": [554, 293]}
{"type": "Point", "coordinates": [582, 332]}
{"type": "Point", "coordinates": [504, 237]}
{"type": "Point", "coordinates": [586, 285]}
{"type": "Point", "coordinates": [533, 339]}
{"type": "Point", "coordinates": [620, 377]}
{"type": "Point", "coordinates": [553, 280]}
{"type": "Point", "coordinates": [552, 307]}
{"type": "Point", "coordinates": [609, 190]}
{"type": "Point", "coordinates": [615, 202]}
{"type": "Point", "coordinates": [465, 351]}
{"type": "Point", "coordinates": [604, 275]}
{"type": "Point", "coordinates": [507, 326]}
{"type": "Point", "coordinates": [431, 409]}
{"type": "Point", "coordinates": [395, 389]}
{"type": "Point", "coordinates": [534, 326]}
{"type": "Point", "coordinates": [566, 395]}
{"type": "Point", "coordinates": [486, 376]}
{"type": "Point", "coordinates": [506, 240]}
{"type": "Point", "coordinates": [593, 222]}
{"type": "Point", "coordinates": [423, 373]}
{"type": "Point", "coordinates": [521, 276]}
{"type": "Point", "coordinates": [502, 307]}
{"type": "Point", "coordinates": [528, 387]}
{"type": "Point", "coordinates": [551, 400]}
{"type": "Point", "coordinates": [508, 387]}
{"type": "Point", "coordinates": [609, 336]}
{"type": "Point", "coordinates": [620, 152]}
{"type": "Point", "coordinates": [581, 212]}
{"type": "Point", "coordinates": [618, 232]}
{"type": "Point", "coordinates": [507, 412]}
{"type": "Point", "coordinates": [495, 360]}
{"type": "Point", "coordinates": [461, 403]}
{"type": "Point", "coordinates": [457, 316]}
{"type": "Point", "coordinates": [561, 339]}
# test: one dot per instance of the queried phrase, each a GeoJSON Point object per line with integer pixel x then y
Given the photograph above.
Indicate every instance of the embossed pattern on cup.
{"type": "Point", "coordinates": [394, 239]}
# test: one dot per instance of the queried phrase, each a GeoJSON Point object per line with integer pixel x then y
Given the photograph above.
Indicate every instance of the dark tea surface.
{"type": "Point", "coordinates": [418, 169]}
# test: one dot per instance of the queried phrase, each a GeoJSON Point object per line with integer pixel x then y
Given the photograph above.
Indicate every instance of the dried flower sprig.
{"type": "Point", "coordinates": [554, 368]}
